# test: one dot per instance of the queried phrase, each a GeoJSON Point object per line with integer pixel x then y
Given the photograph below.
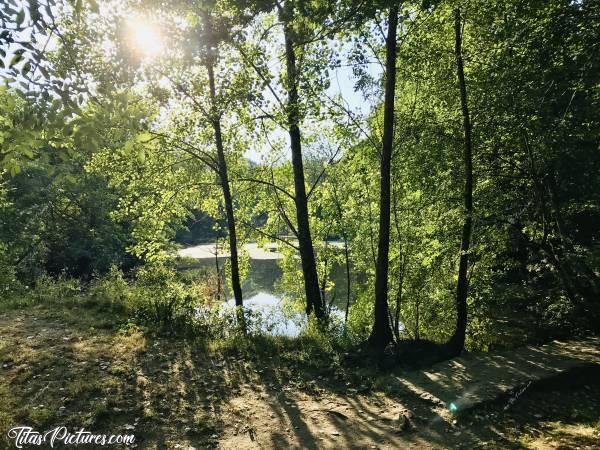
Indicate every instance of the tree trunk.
{"type": "Point", "coordinates": [399, 298]}
{"type": "Point", "coordinates": [348, 282]}
{"type": "Point", "coordinates": [457, 341]}
{"type": "Point", "coordinates": [381, 334]}
{"type": "Point", "coordinates": [346, 254]}
{"type": "Point", "coordinates": [224, 179]}
{"type": "Point", "coordinates": [217, 268]}
{"type": "Point", "coordinates": [314, 302]}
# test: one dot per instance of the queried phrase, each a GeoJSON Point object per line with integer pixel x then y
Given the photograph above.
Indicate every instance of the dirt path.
{"type": "Point", "coordinates": [474, 379]}
{"type": "Point", "coordinates": [451, 389]}
{"type": "Point", "coordinates": [75, 366]}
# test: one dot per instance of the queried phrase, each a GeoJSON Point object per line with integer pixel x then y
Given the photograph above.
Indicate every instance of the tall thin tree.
{"type": "Point", "coordinates": [215, 120]}
{"type": "Point", "coordinates": [381, 334]}
{"type": "Point", "coordinates": [314, 302]}
{"type": "Point", "coordinates": [457, 341]}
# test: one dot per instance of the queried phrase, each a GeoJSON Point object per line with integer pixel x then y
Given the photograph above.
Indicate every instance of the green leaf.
{"type": "Point", "coordinates": [26, 68]}
{"type": "Point", "coordinates": [17, 57]}
{"type": "Point", "coordinates": [143, 137]}
{"type": "Point", "coordinates": [20, 18]}
{"type": "Point", "coordinates": [128, 147]}
{"type": "Point", "coordinates": [15, 170]}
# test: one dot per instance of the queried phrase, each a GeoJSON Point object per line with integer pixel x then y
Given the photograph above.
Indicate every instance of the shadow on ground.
{"type": "Point", "coordinates": [62, 368]}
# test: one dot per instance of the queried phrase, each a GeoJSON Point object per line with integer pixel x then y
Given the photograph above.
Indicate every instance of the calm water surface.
{"type": "Point", "coordinates": [264, 295]}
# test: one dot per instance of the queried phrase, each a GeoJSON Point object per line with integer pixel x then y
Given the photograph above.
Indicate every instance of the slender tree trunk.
{"type": "Point", "coordinates": [348, 281]}
{"type": "Point", "coordinates": [399, 298]}
{"type": "Point", "coordinates": [381, 334]}
{"type": "Point", "coordinates": [314, 302]}
{"type": "Point", "coordinates": [346, 254]}
{"type": "Point", "coordinates": [417, 315]}
{"type": "Point", "coordinates": [457, 341]}
{"type": "Point", "coordinates": [224, 179]}
{"type": "Point", "coordinates": [324, 283]}
{"type": "Point", "coordinates": [404, 253]}
{"type": "Point", "coordinates": [218, 269]}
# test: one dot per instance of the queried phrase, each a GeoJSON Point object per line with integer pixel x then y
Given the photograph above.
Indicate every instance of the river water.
{"type": "Point", "coordinates": [262, 292]}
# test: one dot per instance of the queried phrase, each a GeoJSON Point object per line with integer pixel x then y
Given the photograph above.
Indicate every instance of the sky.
{"type": "Point", "coordinates": [342, 81]}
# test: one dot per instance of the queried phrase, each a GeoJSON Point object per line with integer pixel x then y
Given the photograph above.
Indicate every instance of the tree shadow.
{"type": "Point", "coordinates": [174, 391]}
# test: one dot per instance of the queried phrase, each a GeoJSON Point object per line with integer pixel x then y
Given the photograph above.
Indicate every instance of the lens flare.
{"type": "Point", "coordinates": [145, 37]}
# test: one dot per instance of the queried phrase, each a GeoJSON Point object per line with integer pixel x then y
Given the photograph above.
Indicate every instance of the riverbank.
{"type": "Point", "coordinates": [266, 252]}
{"type": "Point", "coordinates": [209, 251]}
{"type": "Point", "coordinates": [80, 365]}
{"type": "Point", "coordinates": [262, 288]}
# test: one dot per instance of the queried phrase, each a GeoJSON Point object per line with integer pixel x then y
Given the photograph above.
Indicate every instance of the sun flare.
{"type": "Point", "coordinates": [145, 37]}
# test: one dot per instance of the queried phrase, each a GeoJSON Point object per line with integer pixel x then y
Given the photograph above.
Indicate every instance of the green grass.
{"type": "Point", "coordinates": [78, 361]}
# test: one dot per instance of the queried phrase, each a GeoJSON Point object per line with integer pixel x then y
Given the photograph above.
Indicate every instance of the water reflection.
{"type": "Point", "coordinates": [275, 318]}
{"type": "Point", "coordinates": [263, 279]}
{"type": "Point", "coordinates": [264, 296]}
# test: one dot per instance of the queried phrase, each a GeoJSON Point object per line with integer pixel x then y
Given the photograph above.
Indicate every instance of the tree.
{"type": "Point", "coordinates": [381, 334]}
{"type": "Point", "coordinates": [457, 342]}
{"type": "Point", "coordinates": [212, 46]}
{"type": "Point", "coordinates": [204, 37]}
{"type": "Point", "coordinates": [314, 302]}
{"type": "Point", "coordinates": [304, 28]}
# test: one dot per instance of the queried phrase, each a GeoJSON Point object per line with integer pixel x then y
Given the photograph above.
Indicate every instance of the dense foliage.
{"type": "Point", "coordinates": [111, 149]}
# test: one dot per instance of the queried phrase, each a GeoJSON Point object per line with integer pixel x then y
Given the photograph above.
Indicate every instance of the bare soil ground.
{"type": "Point", "coordinates": [75, 366]}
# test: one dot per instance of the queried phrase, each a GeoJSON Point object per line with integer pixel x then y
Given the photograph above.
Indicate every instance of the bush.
{"type": "Point", "coordinates": [360, 317]}
{"type": "Point", "coordinates": [160, 298]}
{"type": "Point", "coordinates": [59, 289]}
{"type": "Point", "coordinates": [8, 279]}
{"type": "Point", "coordinates": [111, 289]}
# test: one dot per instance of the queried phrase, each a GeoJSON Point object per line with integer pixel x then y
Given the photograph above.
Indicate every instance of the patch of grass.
{"type": "Point", "coordinates": [81, 388]}
{"type": "Point", "coordinates": [6, 405]}
{"type": "Point", "coordinates": [307, 349]}
{"type": "Point", "coordinates": [204, 423]}
{"type": "Point", "coordinates": [37, 416]}
{"type": "Point", "coordinates": [104, 378]}
{"type": "Point", "coordinates": [100, 411]}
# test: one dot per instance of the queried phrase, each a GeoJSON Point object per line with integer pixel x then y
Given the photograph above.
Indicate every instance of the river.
{"type": "Point", "coordinates": [262, 292]}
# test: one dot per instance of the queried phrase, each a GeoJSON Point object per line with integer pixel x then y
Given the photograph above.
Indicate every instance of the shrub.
{"type": "Point", "coordinates": [111, 289]}
{"type": "Point", "coordinates": [160, 298]}
{"type": "Point", "coordinates": [8, 280]}
{"type": "Point", "coordinates": [56, 289]}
